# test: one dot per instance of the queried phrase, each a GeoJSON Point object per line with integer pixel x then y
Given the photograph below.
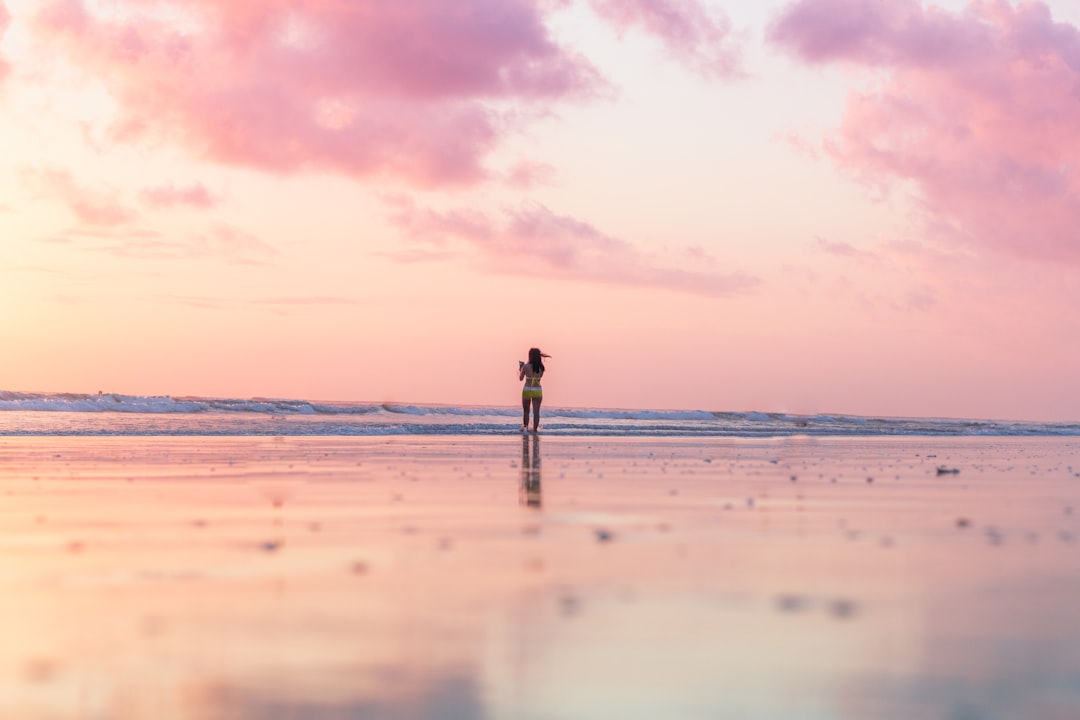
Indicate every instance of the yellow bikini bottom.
{"type": "Point", "coordinates": [531, 393]}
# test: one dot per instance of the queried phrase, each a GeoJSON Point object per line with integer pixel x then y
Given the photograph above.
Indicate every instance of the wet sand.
{"type": "Point", "coordinates": [539, 578]}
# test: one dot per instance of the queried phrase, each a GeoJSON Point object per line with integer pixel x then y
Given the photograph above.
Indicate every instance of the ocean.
{"type": "Point", "coordinates": [71, 414]}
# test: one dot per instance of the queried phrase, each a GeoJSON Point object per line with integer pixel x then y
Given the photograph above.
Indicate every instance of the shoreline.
{"type": "Point", "coordinates": [208, 417]}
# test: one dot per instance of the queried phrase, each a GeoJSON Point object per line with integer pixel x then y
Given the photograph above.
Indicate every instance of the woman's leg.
{"type": "Point", "coordinates": [536, 413]}
{"type": "Point", "coordinates": [525, 413]}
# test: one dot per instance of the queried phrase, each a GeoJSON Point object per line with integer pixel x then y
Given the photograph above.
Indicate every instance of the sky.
{"type": "Point", "coordinates": [865, 207]}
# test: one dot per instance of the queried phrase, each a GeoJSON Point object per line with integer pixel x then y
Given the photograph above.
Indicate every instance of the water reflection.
{"type": "Point", "coordinates": [529, 491]}
{"type": "Point", "coordinates": [451, 694]}
{"type": "Point", "coordinates": [363, 612]}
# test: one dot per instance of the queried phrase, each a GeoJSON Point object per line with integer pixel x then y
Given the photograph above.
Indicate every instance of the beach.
{"type": "Point", "coordinates": [787, 290]}
{"type": "Point", "coordinates": [540, 577]}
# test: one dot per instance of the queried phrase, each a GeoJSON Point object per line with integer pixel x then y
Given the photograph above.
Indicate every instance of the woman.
{"type": "Point", "coordinates": [532, 394]}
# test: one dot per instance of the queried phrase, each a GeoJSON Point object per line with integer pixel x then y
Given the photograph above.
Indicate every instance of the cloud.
{"type": "Point", "coordinates": [977, 110]}
{"type": "Point", "coordinates": [873, 32]}
{"type": "Point", "coordinates": [690, 32]}
{"type": "Point", "coordinates": [275, 304]}
{"type": "Point", "coordinates": [5, 20]}
{"type": "Point", "coordinates": [417, 90]}
{"type": "Point", "coordinates": [234, 246]}
{"type": "Point", "coordinates": [534, 241]}
{"type": "Point", "coordinates": [843, 249]}
{"type": "Point", "coordinates": [222, 242]}
{"type": "Point", "coordinates": [91, 207]}
{"type": "Point", "coordinates": [309, 300]}
{"type": "Point", "coordinates": [170, 196]}
{"type": "Point", "coordinates": [406, 88]}
{"type": "Point", "coordinates": [529, 173]}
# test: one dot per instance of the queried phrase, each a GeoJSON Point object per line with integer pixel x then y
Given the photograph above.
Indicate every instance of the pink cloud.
{"type": "Point", "coordinates": [170, 196]}
{"type": "Point", "coordinates": [310, 300]}
{"type": "Point", "coordinates": [222, 242]}
{"type": "Point", "coordinates": [402, 87]}
{"type": "Point", "coordinates": [99, 208]}
{"type": "Point", "coordinates": [534, 241]}
{"type": "Point", "coordinates": [5, 20]}
{"type": "Point", "coordinates": [529, 173]}
{"type": "Point", "coordinates": [978, 112]}
{"type": "Point", "coordinates": [234, 246]}
{"type": "Point", "coordinates": [875, 32]}
{"type": "Point", "coordinates": [843, 249]}
{"type": "Point", "coordinates": [278, 305]}
{"type": "Point", "coordinates": [689, 31]}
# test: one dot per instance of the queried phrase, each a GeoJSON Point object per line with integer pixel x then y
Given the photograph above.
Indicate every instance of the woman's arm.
{"type": "Point", "coordinates": [521, 370]}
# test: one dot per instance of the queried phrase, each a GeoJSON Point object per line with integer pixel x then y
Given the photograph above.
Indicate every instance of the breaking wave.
{"type": "Point", "coordinates": [23, 413]}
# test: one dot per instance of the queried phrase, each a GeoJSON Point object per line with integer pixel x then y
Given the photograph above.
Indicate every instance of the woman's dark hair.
{"type": "Point", "coordinates": [534, 360]}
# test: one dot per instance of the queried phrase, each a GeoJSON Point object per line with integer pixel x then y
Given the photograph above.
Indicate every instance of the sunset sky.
{"type": "Point", "coordinates": [821, 206]}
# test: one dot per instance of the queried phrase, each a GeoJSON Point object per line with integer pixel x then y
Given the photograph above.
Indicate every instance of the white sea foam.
{"type": "Point", "coordinates": [114, 414]}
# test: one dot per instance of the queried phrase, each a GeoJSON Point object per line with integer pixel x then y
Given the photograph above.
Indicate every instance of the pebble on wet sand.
{"type": "Point", "coordinates": [791, 603]}
{"type": "Point", "coordinates": [842, 609]}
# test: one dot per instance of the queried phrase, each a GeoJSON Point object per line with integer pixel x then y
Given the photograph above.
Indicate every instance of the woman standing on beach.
{"type": "Point", "coordinates": [532, 394]}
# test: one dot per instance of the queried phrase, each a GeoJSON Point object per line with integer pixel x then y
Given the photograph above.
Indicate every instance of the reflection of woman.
{"type": "Point", "coordinates": [529, 493]}
{"type": "Point", "coordinates": [531, 394]}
